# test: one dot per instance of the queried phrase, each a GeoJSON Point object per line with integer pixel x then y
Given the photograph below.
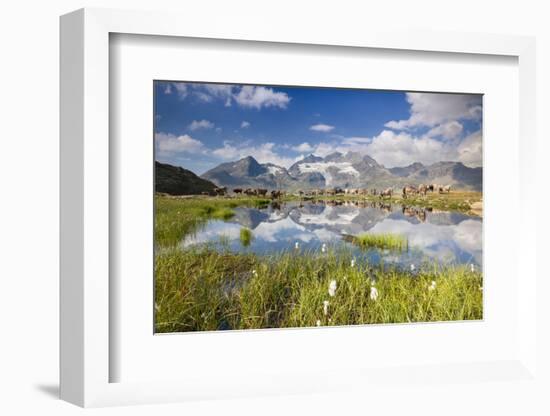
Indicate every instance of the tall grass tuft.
{"type": "Point", "coordinates": [204, 289]}
{"type": "Point", "coordinates": [381, 241]}
{"type": "Point", "coordinates": [246, 236]}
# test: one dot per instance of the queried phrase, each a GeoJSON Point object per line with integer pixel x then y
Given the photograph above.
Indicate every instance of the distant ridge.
{"type": "Point", "coordinates": [349, 170]}
{"type": "Point", "coordinates": [407, 170]}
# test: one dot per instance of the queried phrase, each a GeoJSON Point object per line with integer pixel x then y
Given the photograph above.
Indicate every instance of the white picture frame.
{"type": "Point", "coordinates": [86, 357]}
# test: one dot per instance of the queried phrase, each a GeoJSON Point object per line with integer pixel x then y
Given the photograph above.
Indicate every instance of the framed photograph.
{"type": "Point", "coordinates": [312, 206]}
{"type": "Point", "coordinates": [289, 207]}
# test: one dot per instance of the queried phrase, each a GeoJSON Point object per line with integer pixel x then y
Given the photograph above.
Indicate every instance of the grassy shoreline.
{"type": "Point", "coordinates": [177, 217]}
{"type": "Point", "coordinates": [205, 290]}
{"type": "Point", "coordinates": [461, 201]}
{"type": "Point", "coordinates": [201, 289]}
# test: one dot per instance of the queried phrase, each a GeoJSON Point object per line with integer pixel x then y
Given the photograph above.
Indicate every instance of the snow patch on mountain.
{"type": "Point", "coordinates": [344, 168]}
{"type": "Point", "coordinates": [329, 217]}
{"type": "Point", "coordinates": [275, 170]}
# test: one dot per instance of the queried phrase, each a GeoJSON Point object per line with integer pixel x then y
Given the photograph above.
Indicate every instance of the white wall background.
{"type": "Point", "coordinates": [29, 116]}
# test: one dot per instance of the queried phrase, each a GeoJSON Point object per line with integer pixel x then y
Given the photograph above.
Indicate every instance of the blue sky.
{"type": "Point", "coordinates": [198, 126]}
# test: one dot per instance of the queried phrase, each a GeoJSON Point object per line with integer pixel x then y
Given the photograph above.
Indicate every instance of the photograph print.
{"type": "Point", "coordinates": [307, 207]}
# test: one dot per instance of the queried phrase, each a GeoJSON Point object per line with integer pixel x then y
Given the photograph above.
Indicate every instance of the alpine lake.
{"type": "Point", "coordinates": [225, 263]}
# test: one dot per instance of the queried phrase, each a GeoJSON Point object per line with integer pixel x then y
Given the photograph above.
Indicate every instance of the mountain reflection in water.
{"type": "Point", "coordinates": [443, 237]}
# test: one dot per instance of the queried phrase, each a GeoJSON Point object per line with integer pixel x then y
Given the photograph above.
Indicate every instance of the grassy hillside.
{"type": "Point", "coordinates": [175, 180]}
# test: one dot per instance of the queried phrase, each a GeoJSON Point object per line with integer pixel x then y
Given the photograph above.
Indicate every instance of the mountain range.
{"type": "Point", "coordinates": [349, 170]}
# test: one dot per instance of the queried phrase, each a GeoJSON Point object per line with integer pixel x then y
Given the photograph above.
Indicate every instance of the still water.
{"type": "Point", "coordinates": [433, 236]}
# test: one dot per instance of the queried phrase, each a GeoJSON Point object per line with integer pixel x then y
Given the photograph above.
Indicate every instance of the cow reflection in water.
{"type": "Point", "coordinates": [431, 234]}
{"type": "Point", "coordinates": [413, 212]}
{"type": "Point", "coordinates": [276, 205]}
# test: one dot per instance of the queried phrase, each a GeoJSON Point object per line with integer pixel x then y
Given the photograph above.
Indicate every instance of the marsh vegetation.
{"type": "Point", "coordinates": [244, 263]}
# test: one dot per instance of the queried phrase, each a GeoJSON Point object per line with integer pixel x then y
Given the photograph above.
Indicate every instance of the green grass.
{"type": "Point", "coordinates": [460, 201]}
{"type": "Point", "coordinates": [381, 241]}
{"type": "Point", "coordinates": [177, 217]}
{"type": "Point", "coordinates": [246, 237]}
{"type": "Point", "coordinates": [202, 290]}
{"type": "Point", "coordinates": [198, 289]}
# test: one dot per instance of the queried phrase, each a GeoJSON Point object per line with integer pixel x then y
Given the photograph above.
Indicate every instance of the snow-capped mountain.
{"type": "Point", "coordinates": [349, 170]}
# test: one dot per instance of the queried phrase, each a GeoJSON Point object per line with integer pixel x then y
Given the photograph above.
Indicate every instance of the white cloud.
{"type": "Point", "coordinates": [258, 97]}
{"type": "Point", "coordinates": [303, 148]}
{"type": "Point", "coordinates": [181, 90]}
{"type": "Point", "coordinates": [219, 90]}
{"type": "Point", "coordinates": [209, 92]}
{"type": "Point", "coordinates": [245, 125]}
{"type": "Point", "coordinates": [325, 128]}
{"type": "Point", "coordinates": [400, 149]}
{"type": "Point", "coordinates": [264, 153]}
{"type": "Point", "coordinates": [202, 96]}
{"type": "Point", "coordinates": [322, 149]}
{"type": "Point", "coordinates": [448, 130]}
{"type": "Point", "coordinates": [201, 124]}
{"type": "Point", "coordinates": [356, 140]}
{"type": "Point", "coordinates": [443, 114]}
{"type": "Point", "coordinates": [431, 109]}
{"type": "Point", "coordinates": [391, 149]}
{"type": "Point", "coordinates": [169, 144]}
{"type": "Point", "coordinates": [247, 96]}
{"type": "Point", "coordinates": [470, 150]}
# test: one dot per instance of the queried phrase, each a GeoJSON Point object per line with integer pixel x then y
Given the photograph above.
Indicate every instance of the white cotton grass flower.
{"type": "Point", "coordinates": [296, 245]}
{"type": "Point", "coordinates": [412, 267]}
{"type": "Point", "coordinates": [324, 248]}
{"type": "Point", "coordinates": [472, 267]}
{"type": "Point", "coordinates": [325, 307]}
{"type": "Point", "coordinates": [432, 286]}
{"type": "Point", "coordinates": [318, 322]}
{"type": "Point", "coordinates": [373, 293]}
{"type": "Point", "coordinates": [332, 288]}
{"type": "Point", "coordinates": [254, 273]}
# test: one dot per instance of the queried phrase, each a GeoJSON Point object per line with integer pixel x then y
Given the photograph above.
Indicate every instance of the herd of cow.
{"type": "Point", "coordinates": [275, 194]}
{"type": "Point", "coordinates": [424, 189]}
{"type": "Point", "coordinates": [407, 191]}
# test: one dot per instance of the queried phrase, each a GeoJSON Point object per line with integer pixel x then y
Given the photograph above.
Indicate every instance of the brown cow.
{"type": "Point", "coordinates": [261, 192]}
{"type": "Point", "coordinates": [422, 189]}
{"type": "Point", "coordinates": [276, 194]}
{"type": "Point", "coordinates": [238, 190]}
{"type": "Point", "coordinates": [445, 189]}
{"type": "Point", "coordinates": [419, 213]}
{"type": "Point", "coordinates": [220, 191]}
{"type": "Point", "coordinates": [409, 190]}
{"type": "Point", "coordinates": [386, 192]}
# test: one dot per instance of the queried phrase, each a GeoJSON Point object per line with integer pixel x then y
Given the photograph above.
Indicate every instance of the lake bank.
{"type": "Point", "coordinates": [205, 290]}
{"type": "Point", "coordinates": [242, 282]}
